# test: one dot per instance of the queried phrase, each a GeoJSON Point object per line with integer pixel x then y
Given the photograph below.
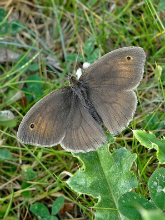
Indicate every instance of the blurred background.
{"type": "Point", "coordinates": [41, 42]}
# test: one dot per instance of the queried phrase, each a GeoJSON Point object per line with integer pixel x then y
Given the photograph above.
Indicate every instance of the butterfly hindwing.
{"type": "Point", "coordinates": [83, 133]}
{"type": "Point", "coordinates": [115, 108]}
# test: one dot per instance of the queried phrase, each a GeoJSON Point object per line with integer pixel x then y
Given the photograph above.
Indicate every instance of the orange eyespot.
{"type": "Point", "coordinates": [129, 58]}
{"type": "Point", "coordinates": [31, 126]}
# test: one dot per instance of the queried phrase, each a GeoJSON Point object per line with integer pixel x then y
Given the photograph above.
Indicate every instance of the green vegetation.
{"type": "Point", "coordinates": [41, 42]}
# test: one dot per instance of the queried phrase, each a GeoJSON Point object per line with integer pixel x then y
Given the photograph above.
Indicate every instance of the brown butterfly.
{"type": "Point", "coordinates": [73, 116]}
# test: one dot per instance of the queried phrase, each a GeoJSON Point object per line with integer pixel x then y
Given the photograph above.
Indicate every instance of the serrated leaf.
{"type": "Point", "coordinates": [130, 203]}
{"type": "Point", "coordinates": [57, 205]}
{"type": "Point", "coordinates": [105, 176]}
{"type": "Point", "coordinates": [157, 188]}
{"type": "Point", "coordinates": [39, 209]}
{"type": "Point", "coordinates": [5, 155]}
{"type": "Point", "coordinates": [150, 141]}
{"type": "Point", "coordinates": [146, 139]}
{"type": "Point", "coordinates": [89, 46]}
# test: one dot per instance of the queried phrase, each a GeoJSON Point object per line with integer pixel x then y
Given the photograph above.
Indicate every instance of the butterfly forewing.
{"type": "Point", "coordinates": [121, 69]}
{"type": "Point", "coordinates": [45, 123]}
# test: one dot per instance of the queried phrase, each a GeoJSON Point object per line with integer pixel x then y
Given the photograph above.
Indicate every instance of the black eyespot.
{"type": "Point", "coordinates": [32, 125]}
{"type": "Point", "coordinates": [129, 58]}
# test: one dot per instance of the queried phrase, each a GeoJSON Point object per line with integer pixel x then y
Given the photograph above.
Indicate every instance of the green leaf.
{"type": "Point", "coordinates": [2, 14]}
{"type": "Point", "coordinates": [9, 124]}
{"type": "Point", "coordinates": [152, 214]}
{"type": "Point", "coordinates": [74, 57]}
{"type": "Point", "coordinates": [5, 155]}
{"type": "Point", "coordinates": [15, 27]}
{"type": "Point", "coordinates": [4, 29]}
{"type": "Point", "coordinates": [49, 218]}
{"type": "Point", "coordinates": [150, 141]}
{"type": "Point", "coordinates": [34, 67]}
{"type": "Point", "coordinates": [57, 205]}
{"type": "Point", "coordinates": [94, 56]}
{"type": "Point", "coordinates": [26, 194]}
{"type": "Point", "coordinates": [161, 5]}
{"type": "Point", "coordinates": [89, 46]}
{"type": "Point", "coordinates": [39, 209]}
{"type": "Point", "coordinates": [3, 209]}
{"type": "Point", "coordinates": [146, 139]}
{"type": "Point", "coordinates": [130, 203]}
{"type": "Point", "coordinates": [157, 188]}
{"type": "Point", "coordinates": [7, 28]}
{"type": "Point", "coordinates": [4, 26]}
{"type": "Point", "coordinates": [105, 176]}
{"type": "Point", "coordinates": [7, 119]}
{"type": "Point", "coordinates": [6, 115]}
{"type": "Point", "coordinates": [153, 123]}
{"type": "Point", "coordinates": [28, 172]}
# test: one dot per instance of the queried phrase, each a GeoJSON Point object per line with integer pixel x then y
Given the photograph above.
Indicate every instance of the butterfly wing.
{"type": "Point", "coordinates": [121, 69]}
{"type": "Point", "coordinates": [115, 108]}
{"type": "Point", "coordinates": [83, 132]}
{"type": "Point", "coordinates": [45, 123]}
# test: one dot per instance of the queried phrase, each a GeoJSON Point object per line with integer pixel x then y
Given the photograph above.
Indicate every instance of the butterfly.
{"type": "Point", "coordinates": [74, 116]}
